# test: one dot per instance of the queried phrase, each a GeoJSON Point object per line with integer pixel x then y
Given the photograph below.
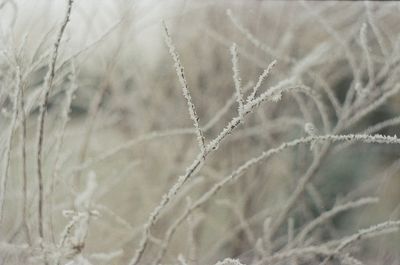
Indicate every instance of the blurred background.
{"type": "Point", "coordinates": [129, 123]}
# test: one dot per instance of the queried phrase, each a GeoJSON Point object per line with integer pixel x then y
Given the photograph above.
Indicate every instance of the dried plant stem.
{"type": "Point", "coordinates": [293, 260]}
{"type": "Point", "coordinates": [94, 110]}
{"type": "Point", "coordinates": [317, 199]}
{"type": "Point", "coordinates": [299, 190]}
{"type": "Point", "coordinates": [368, 57]}
{"type": "Point", "coordinates": [59, 143]}
{"type": "Point", "coordinates": [8, 147]}
{"type": "Point", "coordinates": [43, 109]}
{"type": "Point", "coordinates": [250, 163]}
{"type": "Point", "coordinates": [371, 231]}
{"type": "Point", "coordinates": [272, 94]}
{"type": "Point", "coordinates": [182, 79]}
{"type": "Point", "coordinates": [261, 78]}
{"type": "Point", "coordinates": [349, 260]}
{"type": "Point", "coordinates": [339, 39]}
{"type": "Point", "coordinates": [236, 78]}
{"type": "Point", "coordinates": [382, 125]}
{"type": "Point", "coordinates": [375, 30]}
{"type": "Point", "coordinates": [329, 92]}
{"type": "Point", "coordinates": [371, 106]}
{"type": "Point", "coordinates": [329, 214]}
{"type": "Point", "coordinates": [296, 252]}
{"type": "Point", "coordinates": [257, 43]}
{"type": "Point", "coordinates": [102, 37]}
{"type": "Point", "coordinates": [155, 135]}
{"type": "Point", "coordinates": [241, 218]}
{"type": "Point", "coordinates": [23, 158]}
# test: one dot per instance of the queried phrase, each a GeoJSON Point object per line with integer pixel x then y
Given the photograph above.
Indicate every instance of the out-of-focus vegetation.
{"type": "Point", "coordinates": [199, 132]}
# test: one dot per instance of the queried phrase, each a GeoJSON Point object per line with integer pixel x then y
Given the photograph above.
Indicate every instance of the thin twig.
{"type": "Point", "coordinates": [43, 109]}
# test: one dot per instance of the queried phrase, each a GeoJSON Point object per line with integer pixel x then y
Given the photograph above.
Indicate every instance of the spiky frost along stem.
{"type": "Point", "coordinates": [272, 94]}
{"type": "Point", "coordinates": [237, 80]}
{"type": "Point", "coordinates": [43, 109]}
{"type": "Point", "coordinates": [182, 79]}
{"type": "Point", "coordinates": [264, 156]}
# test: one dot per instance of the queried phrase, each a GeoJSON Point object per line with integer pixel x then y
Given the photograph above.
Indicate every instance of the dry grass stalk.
{"type": "Point", "coordinates": [43, 109]}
